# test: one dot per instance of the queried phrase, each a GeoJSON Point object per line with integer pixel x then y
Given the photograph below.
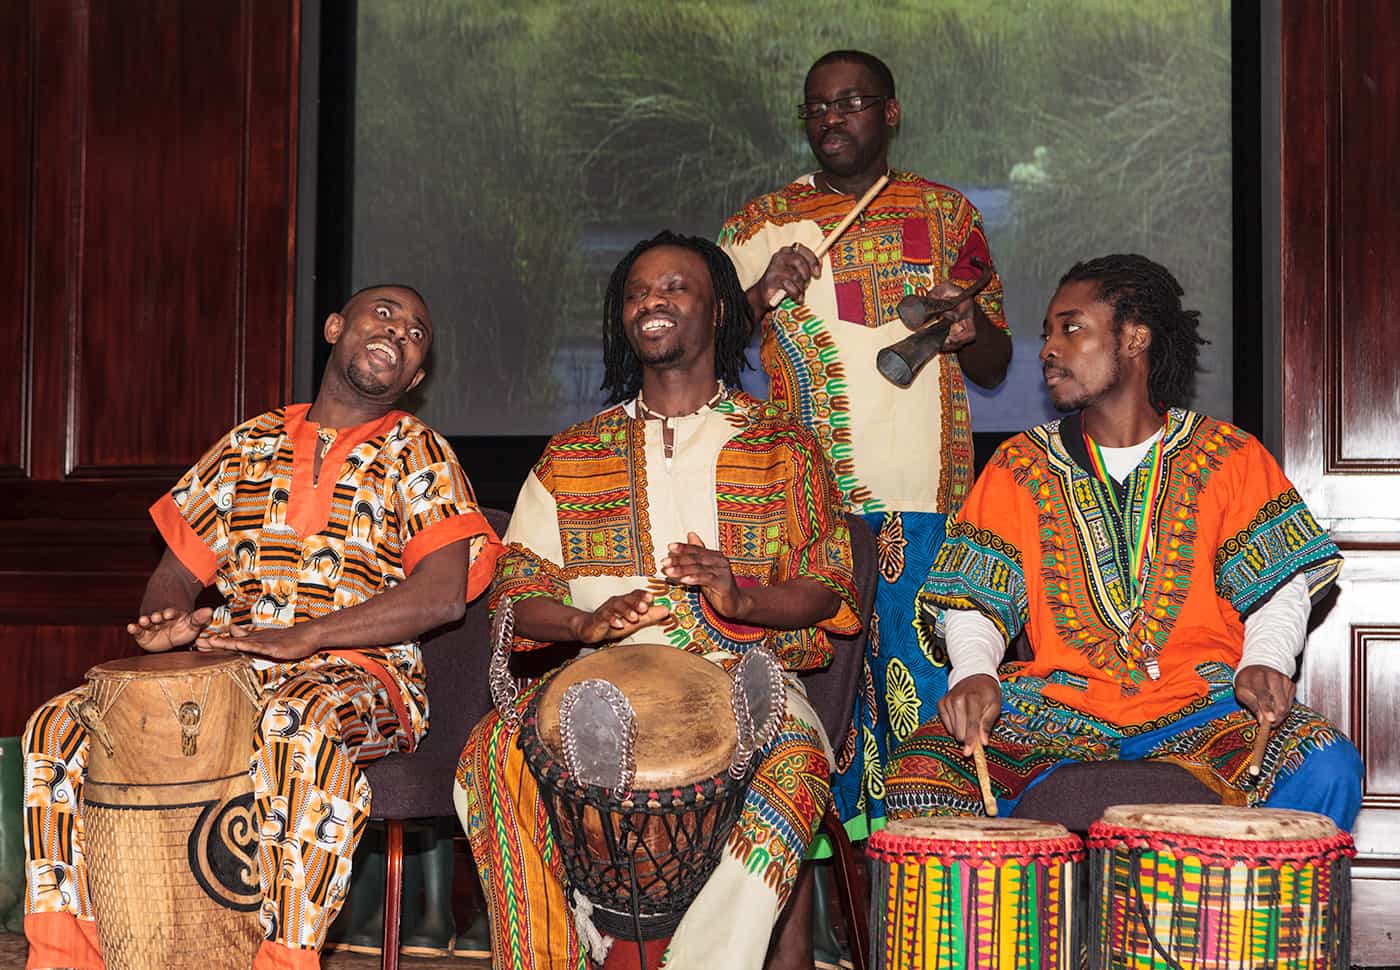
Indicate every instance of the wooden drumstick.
{"type": "Point", "coordinates": [979, 758]}
{"type": "Point", "coordinates": [1256, 757]}
{"type": "Point", "coordinates": [841, 226]}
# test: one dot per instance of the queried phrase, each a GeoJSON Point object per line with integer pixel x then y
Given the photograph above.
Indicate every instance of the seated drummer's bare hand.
{"type": "Point", "coordinates": [169, 628]}
{"type": "Point", "coordinates": [690, 563]}
{"type": "Point", "coordinates": [964, 328]}
{"type": "Point", "coordinates": [620, 616]}
{"type": "Point", "coordinates": [970, 709]}
{"type": "Point", "coordinates": [283, 644]}
{"type": "Point", "coordinates": [1266, 693]}
{"type": "Point", "coordinates": [788, 273]}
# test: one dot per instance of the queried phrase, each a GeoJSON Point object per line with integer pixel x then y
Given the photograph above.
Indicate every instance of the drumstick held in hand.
{"type": "Point", "coordinates": [979, 758]}
{"type": "Point", "coordinates": [1256, 757]}
{"type": "Point", "coordinates": [842, 226]}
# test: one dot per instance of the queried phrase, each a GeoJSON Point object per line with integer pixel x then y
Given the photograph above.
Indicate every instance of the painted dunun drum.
{"type": "Point", "coordinates": [1220, 887]}
{"type": "Point", "coordinates": [168, 810]}
{"type": "Point", "coordinates": [980, 893]}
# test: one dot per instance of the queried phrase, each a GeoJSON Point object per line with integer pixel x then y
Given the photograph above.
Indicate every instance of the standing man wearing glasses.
{"type": "Point", "coordinates": [902, 456]}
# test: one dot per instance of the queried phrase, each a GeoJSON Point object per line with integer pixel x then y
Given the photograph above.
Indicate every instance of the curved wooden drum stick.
{"type": "Point", "coordinates": [842, 226]}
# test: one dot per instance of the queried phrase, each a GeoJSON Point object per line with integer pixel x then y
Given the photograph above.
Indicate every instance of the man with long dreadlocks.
{"type": "Point", "coordinates": [723, 529]}
{"type": "Point", "coordinates": [1161, 564]}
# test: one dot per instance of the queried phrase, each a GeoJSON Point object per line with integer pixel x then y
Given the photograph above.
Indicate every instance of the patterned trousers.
{"type": "Point", "coordinates": [322, 718]}
{"type": "Point", "coordinates": [905, 672]}
{"type": "Point", "coordinates": [728, 924]}
{"type": "Point", "coordinates": [1307, 764]}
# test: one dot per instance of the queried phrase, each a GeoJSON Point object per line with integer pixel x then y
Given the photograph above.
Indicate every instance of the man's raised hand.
{"type": "Point", "coordinates": [162, 630]}
{"type": "Point", "coordinates": [690, 563]}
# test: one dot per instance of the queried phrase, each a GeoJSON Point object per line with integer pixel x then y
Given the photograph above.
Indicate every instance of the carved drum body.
{"type": "Point", "coordinates": [171, 838]}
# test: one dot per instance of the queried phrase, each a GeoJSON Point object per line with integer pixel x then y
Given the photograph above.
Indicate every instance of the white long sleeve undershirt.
{"type": "Point", "coordinates": [1274, 635]}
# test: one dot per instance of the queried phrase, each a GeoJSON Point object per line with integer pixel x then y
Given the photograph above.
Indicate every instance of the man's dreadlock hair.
{"type": "Point", "coordinates": [622, 375]}
{"type": "Point", "coordinates": [1147, 293]}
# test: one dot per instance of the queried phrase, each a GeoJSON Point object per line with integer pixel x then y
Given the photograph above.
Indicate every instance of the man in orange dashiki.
{"type": "Point", "coordinates": [338, 533]}
{"type": "Point", "coordinates": [1161, 565]}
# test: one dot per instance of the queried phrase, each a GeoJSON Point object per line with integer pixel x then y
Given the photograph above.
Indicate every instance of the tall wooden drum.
{"type": "Point", "coordinates": [171, 841]}
{"type": "Point", "coordinates": [1220, 887]}
{"type": "Point", "coordinates": [986, 893]}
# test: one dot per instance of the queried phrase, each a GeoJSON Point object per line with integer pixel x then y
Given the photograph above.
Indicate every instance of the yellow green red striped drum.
{"type": "Point", "coordinates": [979, 893]}
{"type": "Point", "coordinates": [1220, 887]}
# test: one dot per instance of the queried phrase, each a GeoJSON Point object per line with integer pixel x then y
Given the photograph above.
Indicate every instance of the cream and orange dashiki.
{"type": "Point", "coordinates": [1123, 668]}
{"type": "Point", "coordinates": [594, 517]}
{"type": "Point", "coordinates": [902, 456]}
{"type": "Point", "coordinates": [282, 549]}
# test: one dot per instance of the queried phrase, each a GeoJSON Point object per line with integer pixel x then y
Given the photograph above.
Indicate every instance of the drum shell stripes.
{"type": "Point", "coordinates": [168, 810]}
{"type": "Point", "coordinates": [1207, 886]}
{"type": "Point", "coordinates": [949, 893]}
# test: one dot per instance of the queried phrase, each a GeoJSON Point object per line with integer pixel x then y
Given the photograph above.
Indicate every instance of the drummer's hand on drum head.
{"type": "Point", "coordinates": [166, 629]}
{"type": "Point", "coordinates": [620, 616]}
{"type": "Point", "coordinates": [1265, 692]}
{"type": "Point", "coordinates": [970, 709]}
{"type": "Point", "coordinates": [690, 563]}
{"type": "Point", "coordinates": [788, 273]}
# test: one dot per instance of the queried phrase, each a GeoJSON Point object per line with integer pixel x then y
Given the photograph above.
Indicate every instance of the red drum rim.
{"type": "Point", "coordinates": [900, 848]}
{"type": "Point", "coordinates": [1210, 848]}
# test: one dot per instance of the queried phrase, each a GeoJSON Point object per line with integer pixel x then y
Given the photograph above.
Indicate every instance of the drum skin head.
{"type": "Point", "coordinates": [952, 828]}
{"type": "Point", "coordinates": [1223, 822]}
{"type": "Point", "coordinates": [685, 724]}
{"type": "Point", "coordinates": [171, 662]}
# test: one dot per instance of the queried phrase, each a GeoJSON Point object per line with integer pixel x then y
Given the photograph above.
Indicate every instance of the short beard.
{"type": "Point", "coordinates": [1087, 398]}
{"type": "Point", "coordinates": [366, 383]}
{"type": "Point", "coordinates": [663, 359]}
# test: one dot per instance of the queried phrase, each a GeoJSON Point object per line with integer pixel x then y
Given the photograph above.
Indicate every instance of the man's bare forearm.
{"type": "Point", "coordinates": [790, 605]}
{"type": "Point", "coordinates": [171, 586]}
{"type": "Point", "coordinates": [433, 595]}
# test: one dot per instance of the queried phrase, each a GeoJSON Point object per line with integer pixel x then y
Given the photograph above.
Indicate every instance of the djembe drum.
{"type": "Point", "coordinates": [1220, 887]}
{"type": "Point", "coordinates": [168, 810]}
{"type": "Point", "coordinates": [949, 893]}
{"type": "Point", "coordinates": [640, 836]}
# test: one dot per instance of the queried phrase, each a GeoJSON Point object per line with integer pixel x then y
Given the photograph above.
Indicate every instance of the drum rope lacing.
{"type": "Point", "coordinates": [1271, 853]}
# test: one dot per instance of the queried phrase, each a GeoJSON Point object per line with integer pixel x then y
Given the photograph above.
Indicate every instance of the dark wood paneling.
{"type": "Point", "coordinates": [1340, 76]}
{"type": "Point", "coordinates": [68, 652]}
{"type": "Point", "coordinates": [147, 172]}
{"type": "Point", "coordinates": [1365, 246]}
{"type": "Point", "coordinates": [1341, 133]}
{"type": "Point", "coordinates": [15, 76]}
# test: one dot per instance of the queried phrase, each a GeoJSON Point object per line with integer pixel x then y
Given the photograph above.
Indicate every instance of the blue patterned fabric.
{"type": "Point", "coordinates": [902, 681]}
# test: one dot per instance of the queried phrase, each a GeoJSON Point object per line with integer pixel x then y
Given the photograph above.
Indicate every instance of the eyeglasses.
{"type": "Point", "coordinates": [844, 106]}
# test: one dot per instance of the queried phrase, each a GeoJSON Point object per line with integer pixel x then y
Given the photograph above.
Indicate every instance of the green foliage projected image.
{"type": "Point", "coordinates": [507, 156]}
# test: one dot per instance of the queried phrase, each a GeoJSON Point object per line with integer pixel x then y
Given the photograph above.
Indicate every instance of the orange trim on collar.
{"type": "Point", "coordinates": [309, 505]}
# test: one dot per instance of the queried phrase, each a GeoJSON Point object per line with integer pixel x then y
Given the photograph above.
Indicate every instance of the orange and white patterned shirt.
{"type": "Point", "coordinates": [284, 549]}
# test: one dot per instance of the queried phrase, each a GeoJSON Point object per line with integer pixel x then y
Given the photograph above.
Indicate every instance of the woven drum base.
{"type": "Point", "coordinates": [194, 866]}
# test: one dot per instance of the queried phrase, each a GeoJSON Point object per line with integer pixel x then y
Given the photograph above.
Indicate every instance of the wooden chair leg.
{"type": "Point", "coordinates": [393, 891]}
{"type": "Point", "coordinates": [851, 891]}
